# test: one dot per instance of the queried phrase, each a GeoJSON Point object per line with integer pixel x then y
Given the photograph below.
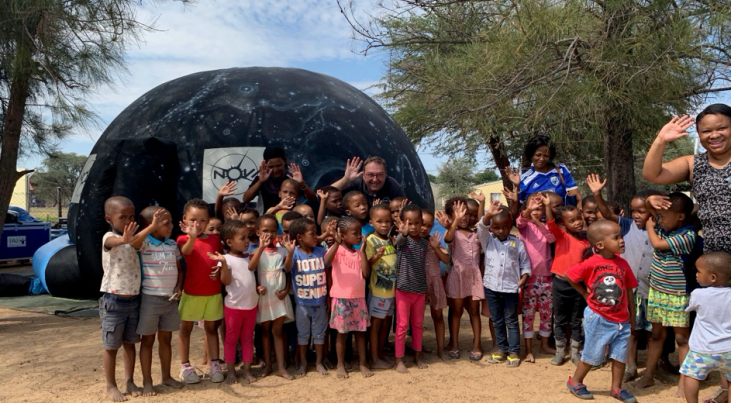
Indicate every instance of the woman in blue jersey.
{"type": "Point", "coordinates": [544, 175]}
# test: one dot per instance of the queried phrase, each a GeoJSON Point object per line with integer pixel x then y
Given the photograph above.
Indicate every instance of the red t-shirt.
{"type": "Point", "coordinates": [608, 282]}
{"type": "Point", "coordinates": [199, 266]}
{"type": "Point", "coordinates": [569, 250]}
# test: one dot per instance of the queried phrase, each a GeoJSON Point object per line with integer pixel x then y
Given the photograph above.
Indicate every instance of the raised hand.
{"type": "Point", "coordinates": [676, 128]}
{"type": "Point", "coordinates": [352, 168]}
{"type": "Point", "coordinates": [323, 195]}
{"type": "Point", "coordinates": [231, 213]}
{"type": "Point", "coordinates": [157, 218]}
{"type": "Point", "coordinates": [337, 236]}
{"type": "Point", "coordinates": [128, 236]}
{"type": "Point", "coordinates": [659, 202]}
{"type": "Point", "coordinates": [435, 240]}
{"type": "Point", "coordinates": [477, 195]}
{"type": "Point", "coordinates": [535, 203]}
{"type": "Point", "coordinates": [228, 189]}
{"type": "Point", "coordinates": [376, 201]}
{"type": "Point", "coordinates": [216, 256]}
{"type": "Point", "coordinates": [264, 240]}
{"type": "Point", "coordinates": [264, 172]}
{"type": "Point", "coordinates": [295, 173]}
{"type": "Point", "coordinates": [546, 199]}
{"type": "Point", "coordinates": [460, 210]}
{"type": "Point", "coordinates": [379, 252]}
{"type": "Point", "coordinates": [594, 183]}
{"type": "Point", "coordinates": [403, 203]}
{"type": "Point", "coordinates": [651, 223]}
{"type": "Point", "coordinates": [287, 203]}
{"type": "Point", "coordinates": [513, 175]}
{"type": "Point", "coordinates": [493, 208]}
{"type": "Point", "coordinates": [288, 243]}
{"type": "Point", "coordinates": [510, 194]}
{"type": "Point", "coordinates": [442, 218]}
{"type": "Point", "coordinates": [403, 227]}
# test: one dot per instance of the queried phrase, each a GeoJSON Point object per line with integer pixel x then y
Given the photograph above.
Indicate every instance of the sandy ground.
{"type": "Point", "coordinates": [53, 359]}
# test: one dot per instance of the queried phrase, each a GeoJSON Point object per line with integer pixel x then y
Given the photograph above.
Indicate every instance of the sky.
{"type": "Point", "coordinates": [218, 34]}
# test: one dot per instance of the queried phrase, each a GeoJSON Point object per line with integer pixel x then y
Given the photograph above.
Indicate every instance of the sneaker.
{"type": "Point", "coordinates": [188, 374]}
{"type": "Point", "coordinates": [216, 372]}
{"type": "Point", "coordinates": [624, 396]}
{"type": "Point", "coordinates": [579, 390]}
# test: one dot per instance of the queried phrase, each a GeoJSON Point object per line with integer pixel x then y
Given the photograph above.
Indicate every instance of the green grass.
{"type": "Point", "coordinates": [47, 213]}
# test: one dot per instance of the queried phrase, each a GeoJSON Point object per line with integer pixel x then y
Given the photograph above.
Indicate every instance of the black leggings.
{"type": "Point", "coordinates": [568, 308]}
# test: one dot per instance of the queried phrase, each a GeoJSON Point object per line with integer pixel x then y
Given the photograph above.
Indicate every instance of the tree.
{"type": "Point", "coordinates": [432, 178]}
{"type": "Point", "coordinates": [53, 54]}
{"type": "Point", "coordinates": [455, 177]}
{"type": "Point", "coordinates": [59, 170]}
{"type": "Point", "coordinates": [599, 76]}
{"type": "Point", "coordinates": [488, 175]}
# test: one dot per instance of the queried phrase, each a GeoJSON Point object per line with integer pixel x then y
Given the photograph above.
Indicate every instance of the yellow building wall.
{"type": "Point", "coordinates": [489, 188]}
{"type": "Point", "coordinates": [20, 192]}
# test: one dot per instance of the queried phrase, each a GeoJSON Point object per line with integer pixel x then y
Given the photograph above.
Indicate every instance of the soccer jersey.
{"type": "Point", "coordinates": [532, 181]}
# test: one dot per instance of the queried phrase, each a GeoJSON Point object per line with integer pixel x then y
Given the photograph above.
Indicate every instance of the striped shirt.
{"type": "Point", "coordinates": [666, 272]}
{"type": "Point", "coordinates": [532, 181]}
{"type": "Point", "coordinates": [411, 265]}
{"type": "Point", "coordinates": [159, 266]}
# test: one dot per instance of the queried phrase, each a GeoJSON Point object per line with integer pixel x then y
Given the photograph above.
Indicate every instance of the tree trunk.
{"type": "Point", "coordinates": [497, 148]}
{"type": "Point", "coordinates": [11, 141]}
{"type": "Point", "coordinates": [619, 159]}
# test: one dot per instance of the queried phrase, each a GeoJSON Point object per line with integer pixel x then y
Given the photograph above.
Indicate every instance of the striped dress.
{"type": "Point", "coordinates": [464, 280]}
{"type": "Point", "coordinates": [666, 272]}
{"type": "Point", "coordinates": [272, 276]}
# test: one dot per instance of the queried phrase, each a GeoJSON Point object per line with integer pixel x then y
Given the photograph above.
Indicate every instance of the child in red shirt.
{"type": "Point", "coordinates": [567, 303]}
{"type": "Point", "coordinates": [610, 315]}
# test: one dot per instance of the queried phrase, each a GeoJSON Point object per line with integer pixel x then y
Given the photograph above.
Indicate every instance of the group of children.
{"type": "Point", "coordinates": [289, 276]}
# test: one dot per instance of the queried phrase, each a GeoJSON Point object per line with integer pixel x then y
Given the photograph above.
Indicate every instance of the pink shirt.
{"type": "Point", "coordinates": [537, 240]}
{"type": "Point", "coordinates": [347, 274]}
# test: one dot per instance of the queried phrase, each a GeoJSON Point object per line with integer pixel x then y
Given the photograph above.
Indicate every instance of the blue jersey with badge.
{"type": "Point", "coordinates": [532, 181]}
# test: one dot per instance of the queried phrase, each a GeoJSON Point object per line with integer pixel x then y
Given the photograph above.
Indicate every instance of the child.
{"type": "Point", "coordinates": [434, 279]}
{"type": "Point", "coordinates": [537, 297]}
{"type": "Point", "coordinates": [464, 281]}
{"type": "Point", "coordinates": [119, 307]}
{"type": "Point", "coordinates": [249, 217]}
{"type": "Point", "coordinates": [289, 193]}
{"type": "Point", "coordinates": [201, 298]}
{"type": "Point", "coordinates": [638, 254]}
{"type": "Point", "coordinates": [506, 270]}
{"type": "Point", "coordinates": [331, 203]}
{"type": "Point", "coordinates": [162, 280]}
{"type": "Point", "coordinates": [610, 314]}
{"type": "Point", "coordinates": [356, 205]}
{"type": "Point", "coordinates": [568, 304]}
{"type": "Point", "coordinates": [307, 262]}
{"type": "Point", "coordinates": [710, 341]}
{"type": "Point", "coordinates": [667, 298]}
{"type": "Point", "coordinates": [411, 285]}
{"type": "Point", "coordinates": [589, 209]}
{"type": "Point", "coordinates": [329, 238]}
{"type": "Point", "coordinates": [305, 210]}
{"type": "Point", "coordinates": [396, 204]}
{"type": "Point", "coordinates": [286, 220]}
{"type": "Point", "coordinates": [381, 256]}
{"type": "Point", "coordinates": [226, 207]}
{"type": "Point", "coordinates": [214, 226]}
{"type": "Point", "coordinates": [242, 295]}
{"type": "Point", "coordinates": [349, 310]}
{"type": "Point", "coordinates": [274, 306]}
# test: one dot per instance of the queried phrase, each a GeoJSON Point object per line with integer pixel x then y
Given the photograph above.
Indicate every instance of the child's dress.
{"type": "Point", "coordinates": [464, 279]}
{"type": "Point", "coordinates": [436, 293]}
{"type": "Point", "coordinates": [537, 294]}
{"type": "Point", "coordinates": [272, 276]}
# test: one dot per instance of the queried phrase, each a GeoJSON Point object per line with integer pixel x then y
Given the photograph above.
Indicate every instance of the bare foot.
{"type": "Point", "coordinates": [284, 374]}
{"type": "Point", "coordinates": [629, 374]}
{"type": "Point", "coordinates": [148, 390]}
{"type": "Point", "coordinates": [266, 372]}
{"type": "Point", "coordinates": [644, 382]}
{"type": "Point", "coordinates": [301, 370]}
{"type": "Point", "coordinates": [442, 356]}
{"type": "Point", "coordinates": [322, 369]}
{"type": "Point", "coordinates": [365, 371]}
{"type": "Point", "coordinates": [400, 367]}
{"type": "Point", "coordinates": [681, 391]}
{"type": "Point", "coordinates": [133, 389]}
{"type": "Point", "coordinates": [529, 358]}
{"type": "Point", "coordinates": [170, 381]}
{"type": "Point", "coordinates": [341, 372]}
{"type": "Point", "coordinates": [114, 394]}
{"type": "Point", "coordinates": [231, 378]}
{"type": "Point", "coordinates": [381, 364]}
{"type": "Point", "coordinates": [248, 377]}
{"type": "Point", "coordinates": [420, 363]}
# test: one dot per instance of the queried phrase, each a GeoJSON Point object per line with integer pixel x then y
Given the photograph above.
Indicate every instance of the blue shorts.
{"type": "Point", "coordinates": [311, 320]}
{"type": "Point", "coordinates": [381, 307]}
{"type": "Point", "coordinates": [699, 365]}
{"type": "Point", "coordinates": [600, 333]}
{"type": "Point", "coordinates": [119, 316]}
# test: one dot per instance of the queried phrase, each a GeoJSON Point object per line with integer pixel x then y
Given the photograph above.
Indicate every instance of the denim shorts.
{"type": "Point", "coordinates": [600, 333]}
{"type": "Point", "coordinates": [381, 307]}
{"type": "Point", "coordinates": [119, 316]}
{"type": "Point", "coordinates": [311, 321]}
{"type": "Point", "coordinates": [698, 365]}
{"type": "Point", "coordinates": [157, 312]}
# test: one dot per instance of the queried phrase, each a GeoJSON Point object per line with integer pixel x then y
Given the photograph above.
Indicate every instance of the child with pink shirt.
{"type": "Point", "coordinates": [537, 292]}
{"type": "Point", "coordinates": [349, 311]}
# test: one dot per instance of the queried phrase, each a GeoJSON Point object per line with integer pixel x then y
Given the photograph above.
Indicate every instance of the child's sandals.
{"type": "Point", "coordinates": [495, 358]}
{"type": "Point", "coordinates": [475, 355]}
{"type": "Point", "coordinates": [454, 354]}
{"type": "Point", "coordinates": [513, 362]}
